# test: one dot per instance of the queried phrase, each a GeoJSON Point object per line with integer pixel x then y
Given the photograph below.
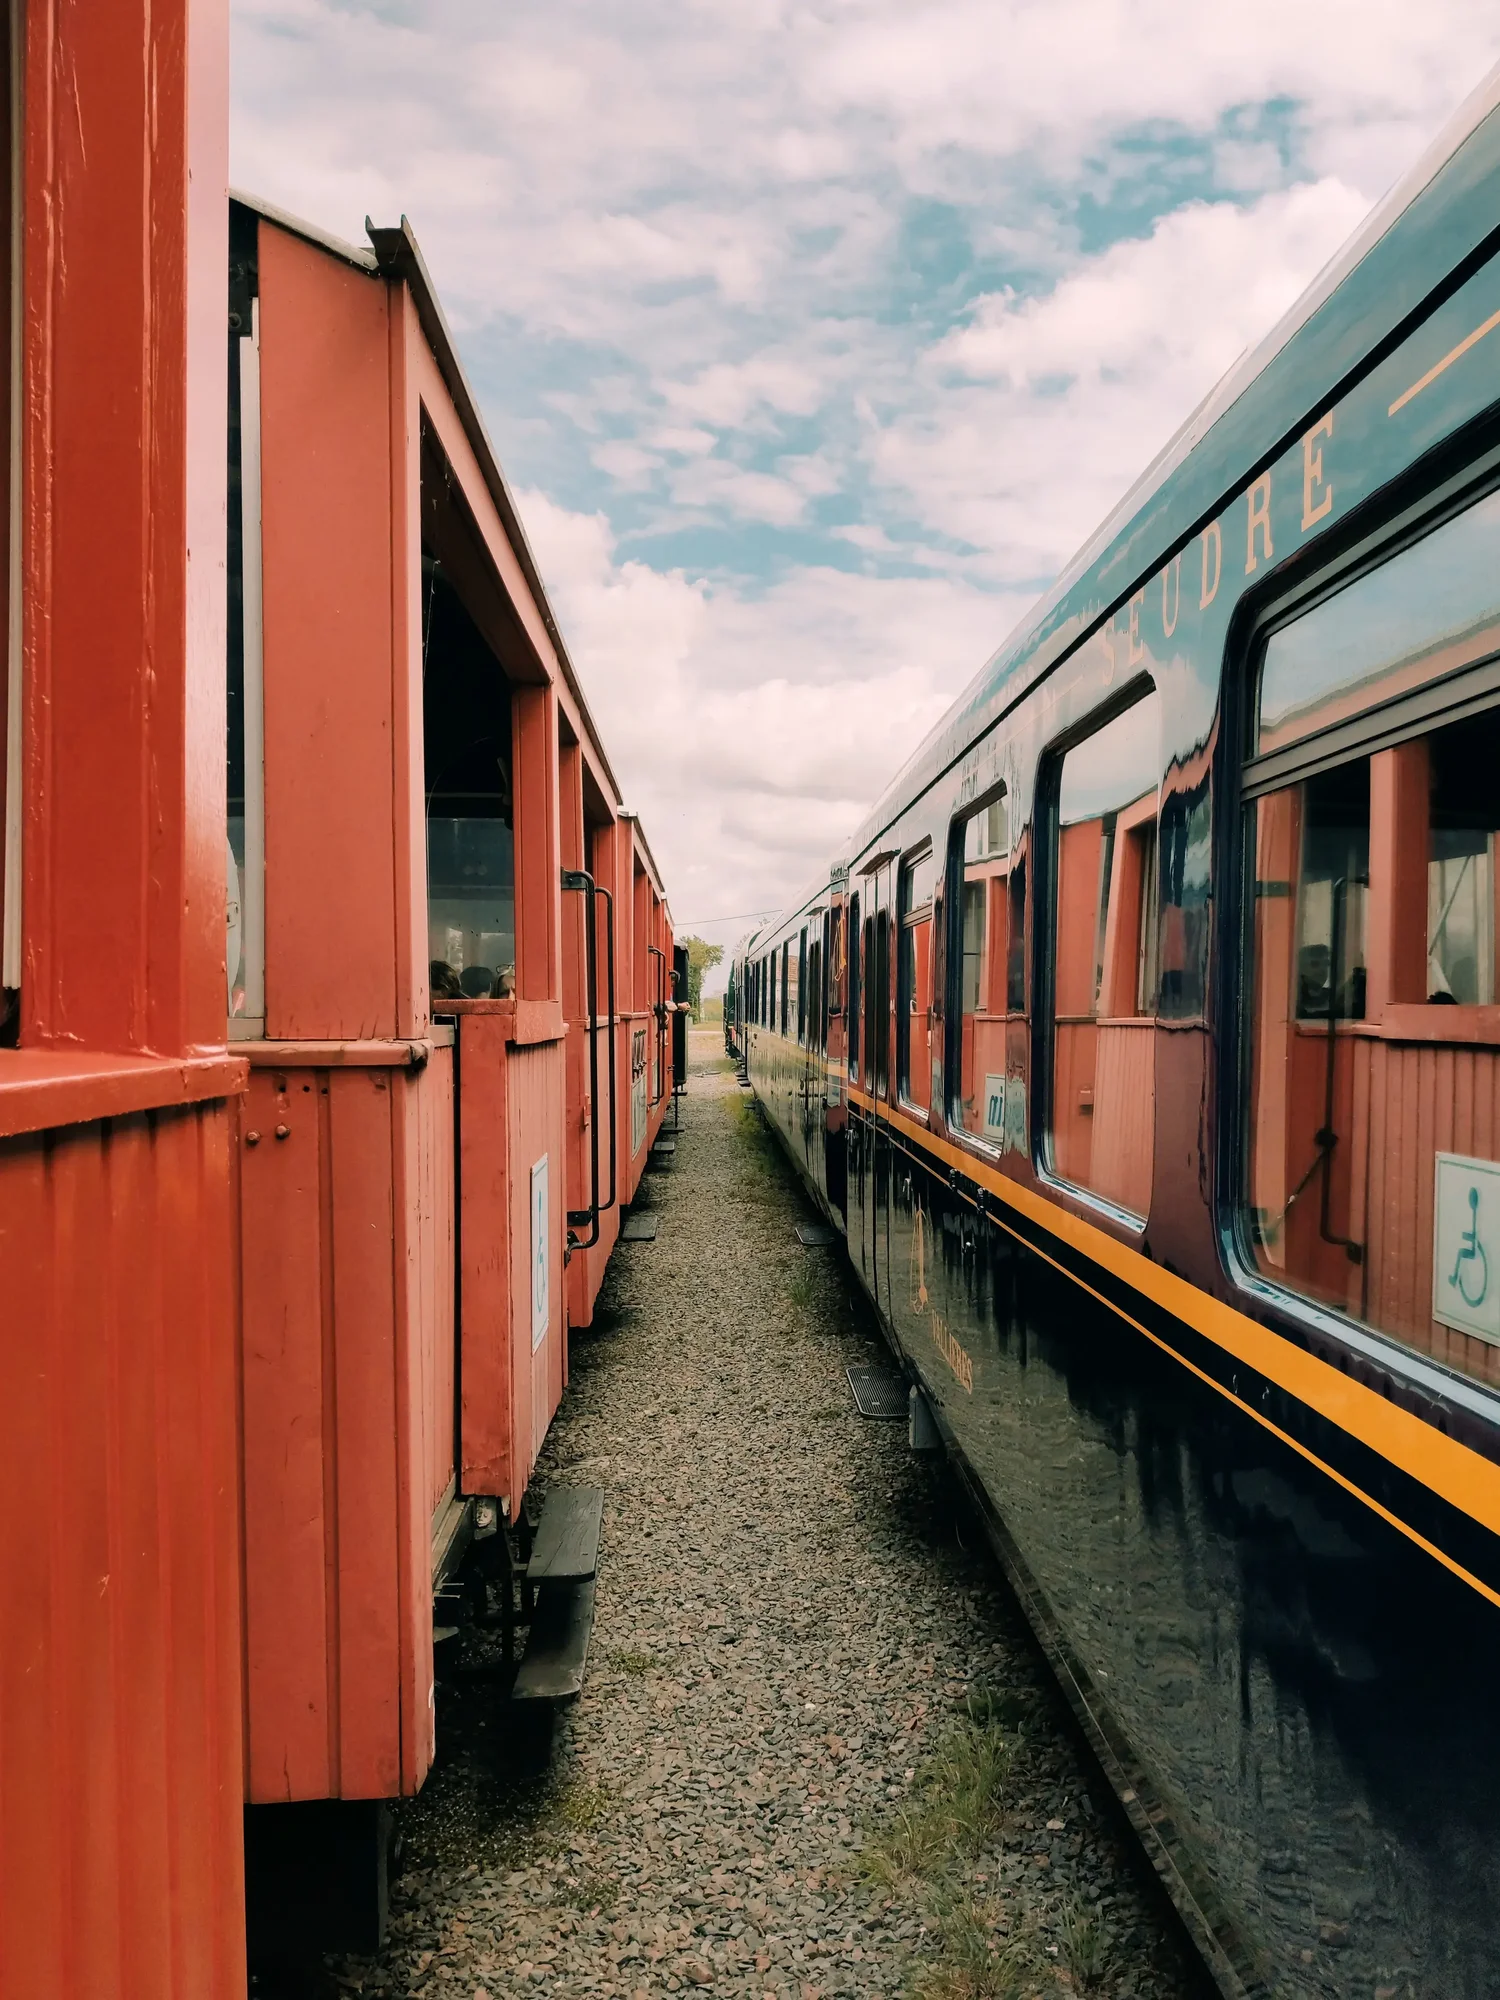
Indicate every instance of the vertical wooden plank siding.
{"type": "Point", "coordinates": [484, 1287]}
{"type": "Point", "coordinates": [359, 1438]}
{"type": "Point", "coordinates": [120, 1749]}
{"type": "Point", "coordinates": [119, 1755]}
{"type": "Point", "coordinates": [1121, 1153]}
{"type": "Point", "coordinates": [1424, 1099]}
{"type": "Point", "coordinates": [347, 1289]}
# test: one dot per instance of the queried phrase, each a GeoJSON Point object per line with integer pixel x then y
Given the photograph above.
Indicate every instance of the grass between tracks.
{"type": "Point", "coordinates": [941, 1855]}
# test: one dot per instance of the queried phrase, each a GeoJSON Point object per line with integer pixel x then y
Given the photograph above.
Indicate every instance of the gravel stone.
{"type": "Point", "coordinates": [793, 1611]}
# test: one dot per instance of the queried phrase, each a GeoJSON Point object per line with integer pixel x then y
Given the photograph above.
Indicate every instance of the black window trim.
{"type": "Point", "coordinates": [1248, 779]}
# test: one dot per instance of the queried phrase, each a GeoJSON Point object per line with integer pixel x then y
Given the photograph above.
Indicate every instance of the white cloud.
{"type": "Point", "coordinates": [751, 728]}
{"type": "Point", "coordinates": [808, 280]}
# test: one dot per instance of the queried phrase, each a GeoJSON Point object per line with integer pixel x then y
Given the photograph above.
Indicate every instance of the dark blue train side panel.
{"type": "Point", "coordinates": [1279, 1618]}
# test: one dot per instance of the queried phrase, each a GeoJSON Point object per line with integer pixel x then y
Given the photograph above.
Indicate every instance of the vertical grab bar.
{"type": "Point", "coordinates": [660, 1011]}
{"type": "Point", "coordinates": [609, 957]}
{"type": "Point", "coordinates": [579, 879]}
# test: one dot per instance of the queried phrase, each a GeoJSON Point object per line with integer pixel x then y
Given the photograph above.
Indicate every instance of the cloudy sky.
{"type": "Point", "coordinates": [814, 335]}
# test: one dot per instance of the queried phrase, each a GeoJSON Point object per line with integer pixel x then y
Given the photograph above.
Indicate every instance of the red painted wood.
{"type": "Point", "coordinates": [119, 1753]}
{"type": "Point", "coordinates": [120, 1748]}
{"type": "Point", "coordinates": [359, 1438]}
{"type": "Point", "coordinates": [485, 1297]}
{"type": "Point", "coordinates": [331, 825]}
{"type": "Point", "coordinates": [284, 1306]}
{"type": "Point", "coordinates": [123, 810]}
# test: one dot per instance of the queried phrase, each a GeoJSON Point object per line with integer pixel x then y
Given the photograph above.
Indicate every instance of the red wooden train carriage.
{"type": "Point", "coordinates": [120, 1838]}
{"type": "Point", "coordinates": [441, 1122]}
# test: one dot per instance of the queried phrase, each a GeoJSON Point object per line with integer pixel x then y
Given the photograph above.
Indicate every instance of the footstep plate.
{"type": "Point", "coordinates": [878, 1393]}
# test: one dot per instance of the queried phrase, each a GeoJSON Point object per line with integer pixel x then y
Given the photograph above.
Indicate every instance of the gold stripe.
{"type": "Point", "coordinates": [1447, 361]}
{"type": "Point", "coordinates": [1450, 1469]}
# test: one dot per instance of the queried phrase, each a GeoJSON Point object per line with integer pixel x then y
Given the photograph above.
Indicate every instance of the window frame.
{"type": "Point", "coordinates": [854, 1000]}
{"type": "Point", "coordinates": [1047, 850]}
{"type": "Point", "coordinates": [1249, 779]}
{"type": "Point", "coordinates": [953, 917]}
{"type": "Point", "coordinates": [802, 988]}
{"type": "Point", "coordinates": [910, 862]}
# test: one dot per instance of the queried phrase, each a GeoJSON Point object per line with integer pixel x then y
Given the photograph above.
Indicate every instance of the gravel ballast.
{"type": "Point", "coordinates": [815, 1754]}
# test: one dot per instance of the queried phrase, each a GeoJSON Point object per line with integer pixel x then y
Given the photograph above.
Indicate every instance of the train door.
{"type": "Point", "coordinates": [835, 1057]}
{"type": "Point", "coordinates": [874, 1070]}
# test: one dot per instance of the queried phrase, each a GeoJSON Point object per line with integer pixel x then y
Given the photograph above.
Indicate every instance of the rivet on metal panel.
{"type": "Point", "coordinates": [283, 1131]}
{"type": "Point", "coordinates": [252, 1138]}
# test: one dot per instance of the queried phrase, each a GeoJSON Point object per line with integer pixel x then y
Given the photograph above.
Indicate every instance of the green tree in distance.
{"type": "Point", "coordinates": [702, 957]}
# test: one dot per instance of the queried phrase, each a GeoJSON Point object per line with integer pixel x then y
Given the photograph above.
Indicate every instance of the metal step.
{"type": "Point", "coordinates": [557, 1647]}
{"type": "Point", "coordinates": [565, 1548]}
{"type": "Point", "coordinates": [639, 1229]}
{"type": "Point", "coordinates": [878, 1393]}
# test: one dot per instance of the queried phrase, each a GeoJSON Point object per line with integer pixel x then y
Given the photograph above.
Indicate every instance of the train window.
{"type": "Point", "coordinates": [1015, 944]}
{"type": "Point", "coordinates": [852, 1005]}
{"type": "Point", "coordinates": [1102, 1069]}
{"type": "Point", "coordinates": [471, 878]}
{"type": "Point", "coordinates": [244, 715]}
{"type": "Point", "coordinates": [1340, 669]}
{"type": "Point", "coordinates": [833, 960]}
{"type": "Point", "coordinates": [1374, 1038]}
{"type": "Point", "coordinates": [801, 984]}
{"type": "Point", "coordinates": [914, 981]}
{"type": "Point", "coordinates": [979, 871]}
{"type": "Point", "coordinates": [815, 990]}
{"type": "Point", "coordinates": [878, 1002]}
{"type": "Point", "coordinates": [786, 985]}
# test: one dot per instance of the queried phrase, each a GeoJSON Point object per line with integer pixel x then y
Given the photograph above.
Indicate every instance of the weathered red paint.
{"type": "Point", "coordinates": [403, 1184]}
{"type": "Point", "coordinates": [119, 1602]}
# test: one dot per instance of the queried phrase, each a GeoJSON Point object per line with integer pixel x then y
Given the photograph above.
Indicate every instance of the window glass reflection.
{"type": "Point", "coordinates": [982, 841]}
{"type": "Point", "coordinates": [914, 985]}
{"type": "Point", "coordinates": [1106, 952]}
{"type": "Point", "coordinates": [471, 875]}
{"type": "Point", "coordinates": [1430, 610]}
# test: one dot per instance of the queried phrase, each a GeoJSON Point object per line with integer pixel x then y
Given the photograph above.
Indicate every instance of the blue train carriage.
{"type": "Point", "coordinates": [1147, 1048]}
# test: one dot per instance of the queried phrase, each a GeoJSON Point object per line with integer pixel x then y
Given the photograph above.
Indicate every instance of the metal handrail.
{"type": "Point", "coordinates": [580, 880]}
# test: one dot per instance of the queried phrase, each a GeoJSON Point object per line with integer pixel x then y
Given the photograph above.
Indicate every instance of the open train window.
{"type": "Point", "coordinates": [852, 1004]}
{"type": "Point", "coordinates": [471, 869]}
{"type": "Point", "coordinates": [917, 880]}
{"type": "Point", "coordinates": [802, 985]}
{"type": "Point", "coordinates": [979, 863]}
{"type": "Point", "coordinates": [1371, 1176]}
{"type": "Point", "coordinates": [788, 990]}
{"type": "Point", "coordinates": [245, 932]}
{"type": "Point", "coordinates": [1102, 1056]}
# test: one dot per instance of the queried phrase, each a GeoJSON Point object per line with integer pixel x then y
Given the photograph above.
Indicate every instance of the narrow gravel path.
{"type": "Point", "coordinates": [814, 1755]}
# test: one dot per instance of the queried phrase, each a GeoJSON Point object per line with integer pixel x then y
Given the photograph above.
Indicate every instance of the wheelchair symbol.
{"type": "Point", "coordinates": [1471, 1267]}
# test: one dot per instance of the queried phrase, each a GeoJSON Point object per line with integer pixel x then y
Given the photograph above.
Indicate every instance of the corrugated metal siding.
{"type": "Point", "coordinates": [120, 1848]}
